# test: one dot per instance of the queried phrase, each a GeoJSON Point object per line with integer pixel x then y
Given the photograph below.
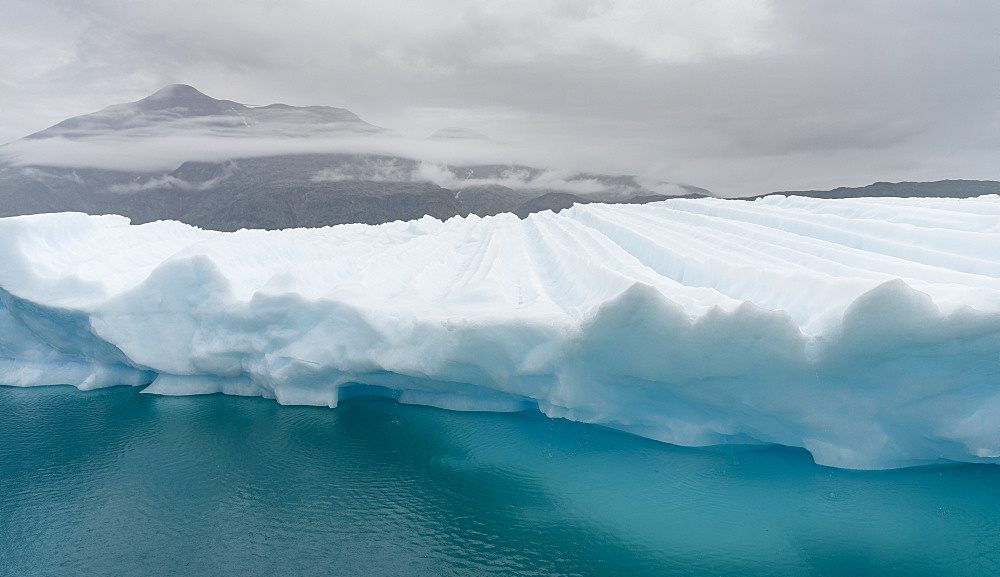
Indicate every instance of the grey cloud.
{"type": "Point", "coordinates": [781, 95]}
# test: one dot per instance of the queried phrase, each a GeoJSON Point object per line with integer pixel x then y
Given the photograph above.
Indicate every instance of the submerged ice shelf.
{"type": "Point", "coordinates": [865, 330]}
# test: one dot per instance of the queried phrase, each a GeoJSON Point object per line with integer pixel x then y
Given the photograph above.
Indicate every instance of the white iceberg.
{"type": "Point", "coordinates": [865, 330]}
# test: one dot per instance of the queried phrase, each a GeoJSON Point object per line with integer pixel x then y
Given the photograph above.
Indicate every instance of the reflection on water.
{"type": "Point", "coordinates": [114, 482]}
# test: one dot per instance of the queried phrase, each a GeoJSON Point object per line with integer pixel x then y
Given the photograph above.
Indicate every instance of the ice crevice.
{"type": "Point", "coordinates": [866, 331]}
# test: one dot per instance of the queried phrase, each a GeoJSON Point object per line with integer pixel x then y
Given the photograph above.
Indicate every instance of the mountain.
{"type": "Point", "coordinates": [278, 190]}
{"type": "Point", "coordinates": [938, 189]}
{"type": "Point", "coordinates": [183, 108]}
{"type": "Point", "coordinates": [289, 191]}
{"type": "Point", "coordinates": [270, 192]}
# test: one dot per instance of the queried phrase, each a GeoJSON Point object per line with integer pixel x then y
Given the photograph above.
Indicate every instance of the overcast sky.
{"type": "Point", "coordinates": [740, 97]}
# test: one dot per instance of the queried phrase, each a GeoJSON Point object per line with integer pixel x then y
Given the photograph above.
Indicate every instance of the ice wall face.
{"type": "Point", "coordinates": [867, 331]}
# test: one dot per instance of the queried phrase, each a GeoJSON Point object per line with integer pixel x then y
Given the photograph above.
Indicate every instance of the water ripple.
{"type": "Point", "coordinates": [116, 482]}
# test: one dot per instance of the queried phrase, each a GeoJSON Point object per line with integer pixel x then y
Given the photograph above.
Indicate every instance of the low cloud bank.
{"type": "Point", "coordinates": [383, 157]}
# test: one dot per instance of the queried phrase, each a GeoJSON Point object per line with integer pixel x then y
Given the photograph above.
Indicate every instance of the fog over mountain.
{"type": "Point", "coordinates": [180, 154]}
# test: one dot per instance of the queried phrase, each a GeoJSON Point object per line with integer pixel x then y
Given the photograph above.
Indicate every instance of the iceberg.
{"type": "Point", "coordinates": [864, 330]}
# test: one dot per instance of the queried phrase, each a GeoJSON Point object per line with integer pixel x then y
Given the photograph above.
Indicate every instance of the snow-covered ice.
{"type": "Point", "coordinates": [865, 330]}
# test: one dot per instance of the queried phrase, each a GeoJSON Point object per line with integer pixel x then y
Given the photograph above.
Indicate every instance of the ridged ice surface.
{"type": "Point", "coordinates": [865, 330]}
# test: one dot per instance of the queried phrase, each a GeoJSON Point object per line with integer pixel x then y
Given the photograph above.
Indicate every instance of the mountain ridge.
{"type": "Point", "coordinates": [176, 103]}
{"type": "Point", "coordinates": [948, 188]}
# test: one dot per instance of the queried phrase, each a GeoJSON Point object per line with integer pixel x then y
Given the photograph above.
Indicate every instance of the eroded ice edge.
{"type": "Point", "coordinates": [865, 330]}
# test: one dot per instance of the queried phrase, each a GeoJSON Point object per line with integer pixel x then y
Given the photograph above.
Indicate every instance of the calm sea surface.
{"type": "Point", "coordinates": [114, 482]}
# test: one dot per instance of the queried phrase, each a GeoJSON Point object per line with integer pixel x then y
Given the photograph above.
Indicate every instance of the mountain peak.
{"type": "Point", "coordinates": [188, 99]}
{"type": "Point", "coordinates": [176, 91]}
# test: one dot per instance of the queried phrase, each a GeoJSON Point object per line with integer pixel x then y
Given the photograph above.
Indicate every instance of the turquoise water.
{"type": "Point", "coordinates": [114, 482]}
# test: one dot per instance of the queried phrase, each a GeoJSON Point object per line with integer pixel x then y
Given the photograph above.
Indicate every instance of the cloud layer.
{"type": "Point", "coordinates": [740, 97]}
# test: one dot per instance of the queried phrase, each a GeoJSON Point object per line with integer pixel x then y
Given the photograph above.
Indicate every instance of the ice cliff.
{"type": "Point", "coordinates": [865, 330]}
